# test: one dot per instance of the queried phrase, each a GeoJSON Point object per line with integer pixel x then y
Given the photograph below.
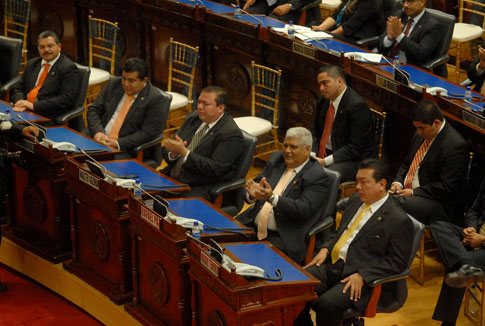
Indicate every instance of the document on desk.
{"type": "Point", "coordinates": [365, 57]}
{"type": "Point", "coordinates": [305, 33]}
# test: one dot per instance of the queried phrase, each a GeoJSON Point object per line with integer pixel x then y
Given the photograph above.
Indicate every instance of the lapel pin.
{"type": "Point", "coordinates": [52, 73]}
{"type": "Point", "coordinates": [294, 182]}
{"type": "Point", "coordinates": [379, 218]}
{"type": "Point", "coordinates": [142, 98]}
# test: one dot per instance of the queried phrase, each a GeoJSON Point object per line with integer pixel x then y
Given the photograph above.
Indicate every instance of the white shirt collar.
{"type": "Point", "coordinates": [336, 102]}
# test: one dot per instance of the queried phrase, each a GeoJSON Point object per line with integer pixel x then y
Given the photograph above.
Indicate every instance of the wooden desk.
{"type": "Point", "coordinates": [161, 285]}
{"type": "Point", "coordinates": [38, 207]}
{"type": "Point", "coordinates": [99, 225]}
{"type": "Point", "coordinates": [225, 298]}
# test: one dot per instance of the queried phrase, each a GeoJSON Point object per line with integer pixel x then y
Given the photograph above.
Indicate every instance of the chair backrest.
{"type": "Point", "coordinates": [102, 35]}
{"type": "Point", "coordinates": [265, 92]}
{"type": "Point", "coordinates": [84, 73]}
{"type": "Point", "coordinates": [390, 7]}
{"type": "Point", "coordinates": [330, 200]}
{"type": "Point", "coordinates": [471, 6]}
{"type": "Point", "coordinates": [182, 62]}
{"type": "Point", "coordinates": [16, 20]}
{"type": "Point", "coordinates": [380, 125]}
{"type": "Point", "coordinates": [447, 25]}
{"type": "Point", "coordinates": [10, 57]}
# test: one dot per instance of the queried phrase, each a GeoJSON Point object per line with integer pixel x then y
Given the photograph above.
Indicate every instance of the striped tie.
{"type": "Point", "coordinates": [418, 157]}
{"type": "Point", "coordinates": [199, 135]}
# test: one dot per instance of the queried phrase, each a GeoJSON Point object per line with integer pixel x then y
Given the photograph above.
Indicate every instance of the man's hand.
{"type": "Point", "coordinates": [394, 27]}
{"type": "Point", "coordinates": [319, 258]}
{"type": "Point", "coordinates": [282, 9]}
{"type": "Point", "coordinates": [405, 192]}
{"type": "Point", "coordinates": [30, 132]}
{"type": "Point", "coordinates": [110, 143]}
{"type": "Point", "coordinates": [100, 137]}
{"type": "Point", "coordinates": [320, 160]}
{"type": "Point", "coordinates": [248, 4]}
{"type": "Point", "coordinates": [355, 282]}
{"type": "Point", "coordinates": [22, 105]}
{"type": "Point", "coordinates": [481, 54]}
{"type": "Point", "coordinates": [259, 191]}
{"type": "Point", "coordinates": [176, 146]}
{"type": "Point", "coordinates": [396, 187]}
{"type": "Point", "coordinates": [473, 239]}
{"type": "Point", "coordinates": [468, 231]}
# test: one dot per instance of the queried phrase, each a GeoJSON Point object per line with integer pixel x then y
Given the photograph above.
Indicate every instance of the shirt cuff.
{"type": "Point", "coordinates": [170, 156]}
{"type": "Point", "coordinates": [249, 200]}
{"type": "Point", "coordinates": [186, 156]}
{"type": "Point", "coordinates": [400, 37]}
{"type": "Point", "coordinates": [479, 71]}
{"type": "Point", "coordinates": [398, 184]}
{"type": "Point", "coordinates": [329, 160]}
{"type": "Point", "coordinates": [118, 145]}
{"type": "Point", "coordinates": [387, 42]}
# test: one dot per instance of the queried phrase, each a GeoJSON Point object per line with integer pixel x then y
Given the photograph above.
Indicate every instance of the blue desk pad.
{"type": "Point", "coordinates": [420, 77]}
{"type": "Point", "coordinates": [60, 134]}
{"type": "Point", "coordinates": [336, 45]}
{"type": "Point", "coordinates": [259, 254]}
{"type": "Point", "coordinates": [196, 208]}
{"type": "Point", "coordinates": [219, 8]}
{"type": "Point", "coordinates": [26, 115]}
{"type": "Point", "coordinates": [147, 176]}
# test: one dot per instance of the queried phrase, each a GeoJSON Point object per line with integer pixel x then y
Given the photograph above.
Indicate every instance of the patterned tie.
{"type": "Point", "coordinates": [267, 207]}
{"type": "Point", "coordinates": [418, 157]}
{"type": "Point", "coordinates": [327, 130]}
{"type": "Point", "coordinates": [33, 93]}
{"type": "Point", "coordinates": [199, 135]}
{"type": "Point", "coordinates": [395, 49]}
{"type": "Point", "coordinates": [346, 235]}
{"type": "Point", "coordinates": [125, 108]}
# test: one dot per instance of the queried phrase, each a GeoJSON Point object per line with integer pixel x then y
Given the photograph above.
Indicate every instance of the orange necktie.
{"type": "Point", "coordinates": [125, 108]}
{"type": "Point", "coordinates": [327, 130]}
{"type": "Point", "coordinates": [266, 209]}
{"type": "Point", "coordinates": [418, 157]}
{"type": "Point", "coordinates": [33, 93]}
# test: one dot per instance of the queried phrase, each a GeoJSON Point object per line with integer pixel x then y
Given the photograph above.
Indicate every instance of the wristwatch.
{"type": "Point", "coordinates": [291, 7]}
{"type": "Point", "coordinates": [270, 199]}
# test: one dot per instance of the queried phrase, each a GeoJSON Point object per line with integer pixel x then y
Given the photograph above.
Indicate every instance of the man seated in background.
{"type": "Point", "coordinates": [477, 68]}
{"type": "Point", "coordinates": [129, 112]}
{"type": "Point", "coordinates": [461, 249]}
{"type": "Point", "coordinates": [50, 83]}
{"type": "Point", "coordinates": [430, 183]}
{"type": "Point", "coordinates": [284, 10]}
{"type": "Point", "coordinates": [343, 130]}
{"type": "Point", "coordinates": [288, 195]}
{"type": "Point", "coordinates": [412, 34]}
{"type": "Point", "coordinates": [374, 241]}
{"type": "Point", "coordinates": [206, 149]}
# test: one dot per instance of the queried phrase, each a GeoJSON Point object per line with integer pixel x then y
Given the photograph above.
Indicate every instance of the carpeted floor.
{"type": "Point", "coordinates": [27, 303]}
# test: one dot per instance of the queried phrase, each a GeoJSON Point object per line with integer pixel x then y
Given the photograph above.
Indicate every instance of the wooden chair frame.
{"type": "Point", "coordinates": [16, 23]}
{"type": "Point", "coordinates": [102, 32]}
{"type": "Point", "coordinates": [469, 295]}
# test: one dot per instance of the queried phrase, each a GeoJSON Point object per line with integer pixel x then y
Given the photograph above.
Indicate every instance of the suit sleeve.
{"type": "Point", "coordinates": [64, 99]}
{"type": "Point", "coordinates": [422, 50]}
{"type": "Point", "coordinates": [318, 124]}
{"type": "Point", "coordinates": [298, 4]}
{"type": "Point", "coordinates": [17, 92]}
{"type": "Point", "coordinates": [227, 150]}
{"type": "Point", "coordinates": [397, 254]}
{"type": "Point", "coordinates": [314, 187]}
{"type": "Point", "coordinates": [472, 70]}
{"type": "Point", "coordinates": [96, 111]}
{"type": "Point", "coordinates": [153, 124]}
{"type": "Point", "coordinates": [404, 168]}
{"type": "Point", "coordinates": [364, 11]}
{"type": "Point", "coordinates": [474, 214]}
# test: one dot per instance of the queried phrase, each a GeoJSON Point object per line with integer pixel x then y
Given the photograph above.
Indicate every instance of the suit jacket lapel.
{"type": "Point", "coordinates": [208, 136]}
{"type": "Point", "coordinates": [375, 219]}
{"type": "Point", "coordinates": [138, 101]}
{"type": "Point", "coordinates": [419, 25]}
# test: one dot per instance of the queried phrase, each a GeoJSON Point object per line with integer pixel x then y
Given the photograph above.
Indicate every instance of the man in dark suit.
{"type": "Point", "coordinates": [412, 33]}
{"type": "Point", "coordinates": [206, 148]}
{"type": "Point", "coordinates": [288, 195]}
{"type": "Point", "coordinates": [477, 68]}
{"type": "Point", "coordinates": [430, 183]}
{"type": "Point", "coordinates": [343, 131]}
{"type": "Point", "coordinates": [50, 83]}
{"type": "Point", "coordinates": [284, 10]}
{"type": "Point", "coordinates": [129, 111]}
{"type": "Point", "coordinates": [463, 254]}
{"type": "Point", "coordinates": [374, 241]}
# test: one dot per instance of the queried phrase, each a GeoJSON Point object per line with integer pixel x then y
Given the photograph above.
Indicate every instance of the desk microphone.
{"type": "Point", "coordinates": [41, 128]}
{"type": "Point", "coordinates": [250, 15]}
{"type": "Point", "coordinates": [198, 1]}
{"type": "Point", "coordinates": [103, 169]}
{"type": "Point", "coordinates": [479, 109]}
{"type": "Point", "coordinates": [405, 74]}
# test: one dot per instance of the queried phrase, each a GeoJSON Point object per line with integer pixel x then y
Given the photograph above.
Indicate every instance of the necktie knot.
{"type": "Point", "coordinates": [47, 65]}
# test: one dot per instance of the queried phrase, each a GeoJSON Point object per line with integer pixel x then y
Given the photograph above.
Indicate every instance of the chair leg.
{"type": "Point", "coordinates": [466, 307]}
{"type": "Point", "coordinates": [482, 306]}
{"type": "Point", "coordinates": [457, 62]}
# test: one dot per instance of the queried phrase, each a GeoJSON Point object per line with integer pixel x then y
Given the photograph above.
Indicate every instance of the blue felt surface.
{"type": "Point", "coordinates": [147, 176]}
{"type": "Point", "coordinates": [259, 254]}
{"type": "Point", "coordinates": [25, 114]}
{"type": "Point", "coordinates": [195, 208]}
{"type": "Point", "coordinates": [423, 78]}
{"type": "Point", "coordinates": [60, 134]}
{"type": "Point", "coordinates": [336, 45]}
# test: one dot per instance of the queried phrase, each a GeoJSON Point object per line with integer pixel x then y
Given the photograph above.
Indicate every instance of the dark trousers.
{"type": "Point", "coordinates": [448, 238]}
{"type": "Point", "coordinates": [331, 303]}
{"type": "Point", "coordinates": [347, 170]}
{"type": "Point", "coordinates": [261, 7]}
{"type": "Point", "coordinates": [423, 209]}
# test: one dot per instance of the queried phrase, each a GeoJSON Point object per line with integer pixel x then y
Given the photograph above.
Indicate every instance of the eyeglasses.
{"type": "Point", "coordinates": [49, 46]}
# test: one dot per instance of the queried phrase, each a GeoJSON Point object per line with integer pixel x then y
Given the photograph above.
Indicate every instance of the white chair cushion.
{"type": "Point", "coordinates": [178, 101]}
{"type": "Point", "coordinates": [466, 32]}
{"type": "Point", "coordinates": [98, 76]}
{"type": "Point", "coordinates": [330, 4]}
{"type": "Point", "coordinates": [253, 125]}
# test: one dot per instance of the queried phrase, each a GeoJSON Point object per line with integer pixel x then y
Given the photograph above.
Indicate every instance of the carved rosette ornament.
{"type": "Point", "coordinates": [99, 240]}
{"type": "Point", "coordinates": [35, 203]}
{"type": "Point", "coordinates": [158, 283]}
{"type": "Point", "coordinates": [215, 318]}
{"type": "Point", "coordinates": [237, 81]}
{"type": "Point", "coordinates": [307, 102]}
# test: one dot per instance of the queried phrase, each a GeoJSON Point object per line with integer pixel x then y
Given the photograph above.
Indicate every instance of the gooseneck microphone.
{"type": "Point", "coordinates": [41, 128]}
{"type": "Point", "coordinates": [247, 13]}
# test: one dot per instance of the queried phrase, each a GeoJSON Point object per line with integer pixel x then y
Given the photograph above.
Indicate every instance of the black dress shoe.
{"type": "Point", "coordinates": [464, 275]}
{"type": "Point", "coordinates": [3, 287]}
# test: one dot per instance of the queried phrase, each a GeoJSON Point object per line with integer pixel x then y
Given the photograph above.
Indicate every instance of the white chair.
{"type": "Point", "coordinates": [328, 6]}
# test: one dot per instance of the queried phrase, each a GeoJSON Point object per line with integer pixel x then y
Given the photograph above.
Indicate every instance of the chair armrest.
{"type": "Point", "coordinates": [227, 186]}
{"type": "Point", "coordinates": [436, 62]}
{"type": "Point", "coordinates": [368, 41]}
{"type": "Point", "coordinates": [466, 82]}
{"type": "Point", "coordinates": [10, 84]}
{"type": "Point", "coordinates": [148, 144]}
{"type": "Point", "coordinates": [391, 278]}
{"type": "Point", "coordinates": [311, 5]}
{"type": "Point", "coordinates": [342, 204]}
{"type": "Point", "coordinates": [63, 118]}
{"type": "Point", "coordinates": [320, 226]}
